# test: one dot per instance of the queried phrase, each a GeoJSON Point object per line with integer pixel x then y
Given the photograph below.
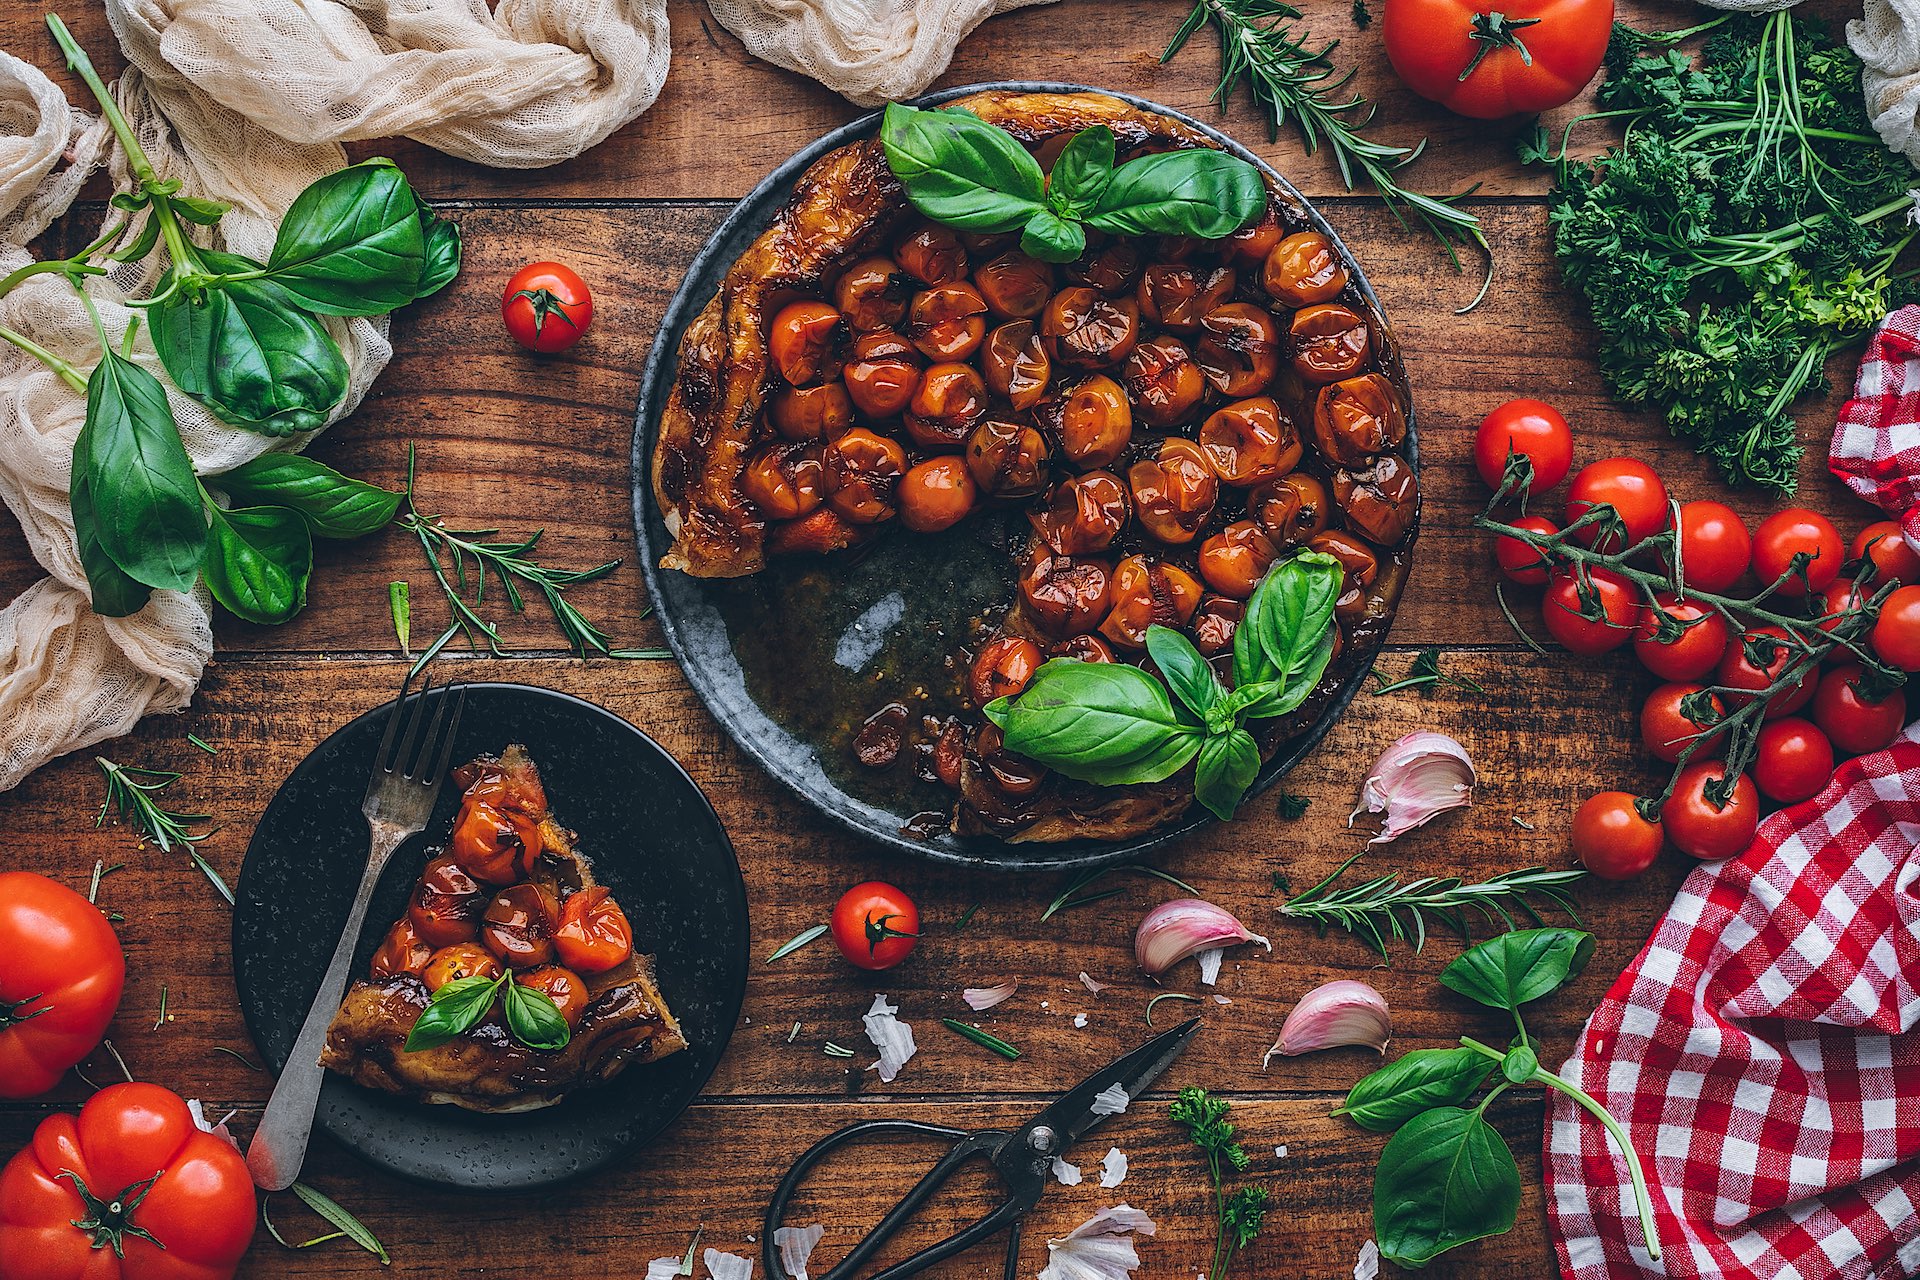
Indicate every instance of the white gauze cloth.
{"type": "Point", "coordinates": [1887, 40]}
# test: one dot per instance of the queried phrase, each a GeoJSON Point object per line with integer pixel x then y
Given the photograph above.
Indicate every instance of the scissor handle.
{"type": "Point", "coordinates": [967, 1143]}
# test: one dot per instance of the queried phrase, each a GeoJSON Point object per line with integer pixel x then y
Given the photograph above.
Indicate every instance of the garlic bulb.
{"type": "Point", "coordinates": [1175, 930]}
{"type": "Point", "coordinates": [1422, 775]}
{"type": "Point", "coordinates": [1336, 1013]}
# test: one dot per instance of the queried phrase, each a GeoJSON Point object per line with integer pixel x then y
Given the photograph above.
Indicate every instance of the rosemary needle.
{"type": "Point", "coordinates": [981, 1038]}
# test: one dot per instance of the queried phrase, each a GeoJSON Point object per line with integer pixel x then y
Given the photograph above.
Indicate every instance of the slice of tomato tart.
{"type": "Point", "coordinates": [511, 980]}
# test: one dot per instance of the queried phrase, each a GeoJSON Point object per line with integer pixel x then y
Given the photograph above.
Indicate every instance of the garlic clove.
{"type": "Point", "coordinates": [1337, 1013]}
{"type": "Point", "coordinates": [1175, 930]}
{"type": "Point", "coordinates": [1417, 778]}
{"type": "Point", "coordinates": [980, 999]}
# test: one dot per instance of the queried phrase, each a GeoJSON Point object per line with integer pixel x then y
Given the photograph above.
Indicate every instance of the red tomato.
{"type": "Point", "coordinates": [1892, 558]}
{"type": "Point", "coordinates": [1784, 534]}
{"type": "Point", "coordinates": [1672, 717]}
{"type": "Point", "coordinates": [1697, 827]}
{"type": "Point", "coordinates": [875, 925]}
{"type": "Point", "coordinates": [1753, 662]}
{"type": "Point", "coordinates": [1564, 612]}
{"type": "Point", "coordinates": [1611, 839]}
{"type": "Point", "coordinates": [1842, 594]}
{"type": "Point", "coordinates": [1896, 636]}
{"type": "Point", "coordinates": [172, 1201]}
{"type": "Point", "coordinates": [1528, 56]}
{"type": "Point", "coordinates": [1792, 760]}
{"type": "Point", "coordinates": [1532, 427]}
{"type": "Point", "coordinates": [1856, 725]}
{"type": "Point", "coordinates": [546, 307]}
{"type": "Point", "coordinates": [1690, 655]}
{"type": "Point", "coordinates": [1631, 488]}
{"type": "Point", "coordinates": [594, 935]}
{"type": "Point", "coordinates": [1715, 547]}
{"type": "Point", "coordinates": [1520, 563]}
{"type": "Point", "coordinates": [496, 845]}
{"type": "Point", "coordinates": [59, 985]}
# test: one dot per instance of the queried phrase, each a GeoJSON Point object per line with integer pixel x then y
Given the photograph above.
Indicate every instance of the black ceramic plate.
{"type": "Point", "coordinates": [652, 838]}
{"type": "Point", "coordinates": [790, 659]}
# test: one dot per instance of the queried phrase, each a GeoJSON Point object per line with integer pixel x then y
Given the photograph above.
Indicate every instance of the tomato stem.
{"type": "Point", "coordinates": [109, 1223]}
{"type": "Point", "coordinates": [878, 931]}
{"type": "Point", "coordinates": [1495, 30]}
{"type": "Point", "coordinates": [10, 1015]}
{"type": "Point", "coordinates": [545, 303]}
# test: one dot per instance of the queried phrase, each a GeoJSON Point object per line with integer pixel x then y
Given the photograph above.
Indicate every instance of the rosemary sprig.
{"type": "Point", "coordinates": [1425, 675]}
{"type": "Point", "coordinates": [984, 1039]}
{"type": "Point", "coordinates": [133, 796]}
{"type": "Point", "coordinates": [1383, 908]}
{"type": "Point", "coordinates": [1291, 78]}
{"type": "Point", "coordinates": [462, 560]}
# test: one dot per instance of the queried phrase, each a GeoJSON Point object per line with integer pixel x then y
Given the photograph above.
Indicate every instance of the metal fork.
{"type": "Point", "coordinates": [400, 798]}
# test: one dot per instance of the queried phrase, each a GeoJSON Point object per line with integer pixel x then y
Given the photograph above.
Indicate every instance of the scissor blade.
{"type": "Point", "coordinates": [1073, 1114]}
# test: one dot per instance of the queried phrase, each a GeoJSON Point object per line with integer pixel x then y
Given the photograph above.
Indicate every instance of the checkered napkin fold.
{"type": "Point", "coordinates": [1762, 1050]}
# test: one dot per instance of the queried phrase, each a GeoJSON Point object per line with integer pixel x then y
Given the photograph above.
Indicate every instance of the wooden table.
{"type": "Point", "coordinates": [522, 441]}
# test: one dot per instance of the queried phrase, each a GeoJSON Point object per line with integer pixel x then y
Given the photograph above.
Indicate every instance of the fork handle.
{"type": "Point", "coordinates": [279, 1145]}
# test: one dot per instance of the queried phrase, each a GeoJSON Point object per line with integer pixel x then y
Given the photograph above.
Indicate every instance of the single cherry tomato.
{"type": "Point", "coordinates": [1111, 266]}
{"type": "Point", "coordinates": [1842, 596]}
{"type": "Point", "coordinates": [403, 950]}
{"type": "Point", "coordinates": [1520, 563]}
{"type": "Point", "coordinates": [811, 413]}
{"type": "Point", "coordinates": [1525, 57]}
{"type": "Point", "coordinates": [1146, 591]}
{"type": "Point", "coordinates": [1754, 661]}
{"type": "Point", "coordinates": [564, 987]}
{"type": "Point", "coordinates": [1855, 724]}
{"type": "Point", "coordinates": [1532, 428]}
{"type": "Point", "coordinates": [446, 904]}
{"type": "Point", "coordinates": [1175, 295]}
{"type": "Point", "coordinates": [546, 307]}
{"type": "Point", "coordinates": [883, 375]}
{"type": "Point", "coordinates": [950, 399]}
{"type": "Point", "coordinates": [130, 1189]}
{"type": "Point", "coordinates": [1893, 560]}
{"type": "Point", "coordinates": [1015, 365]}
{"type": "Point", "coordinates": [1896, 635]}
{"type": "Point", "coordinates": [497, 845]}
{"type": "Point", "coordinates": [1007, 459]}
{"type": "Point", "coordinates": [1612, 839]}
{"type": "Point", "coordinates": [594, 935]}
{"type": "Point", "coordinates": [1238, 349]}
{"type": "Point", "coordinates": [1292, 509]}
{"type": "Point", "coordinates": [1174, 490]}
{"type": "Point", "coordinates": [1250, 442]}
{"type": "Point", "coordinates": [1715, 547]}
{"type": "Point", "coordinates": [1003, 668]}
{"type": "Point", "coordinates": [1329, 342]}
{"type": "Point", "coordinates": [1593, 619]}
{"type": "Point", "coordinates": [59, 985]}
{"type": "Point", "coordinates": [863, 475]}
{"type": "Point", "coordinates": [1634, 492]}
{"type": "Point", "coordinates": [932, 254]}
{"type": "Point", "coordinates": [518, 925]}
{"type": "Point", "coordinates": [937, 494]}
{"type": "Point", "coordinates": [1215, 623]}
{"type": "Point", "coordinates": [875, 925]}
{"type": "Point", "coordinates": [461, 960]}
{"type": "Point", "coordinates": [1691, 652]}
{"type": "Point", "coordinates": [872, 294]}
{"type": "Point", "coordinates": [1250, 245]}
{"type": "Point", "coordinates": [1792, 760]}
{"type": "Point", "coordinates": [948, 322]}
{"type": "Point", "coordinates": [1304, 269]}
{"type": "Point", "coordinates": [1083, 514]}
{"type": "Point", "coordinates": [1381, 499]}
{"type": "Point", "coordinates": [784, 481]}
{"type": "Point", "coordinates": [1357, 418]}
{"type": "Point", "coordinates": [1672, 718]}
{"type": "Point", "coordinates": [1696, 825]}
{"type": "Point", "coordinates": [1163, 382]}
{"type": "Point", "coordinates": [1015, 286]}
{"type": "Point", "coordinates": [1083, 648]}
{"type": "Point", "coordinates": [1797, 531]}
{"type": "Point", "coordinates": [1083, 328]}
{"type": "Point", "coordinates": [1092, 422]}
{"type": "Point", "coordinates": [807, 342]}
{"type": "Point", "coordinates": [1064, 595]}
{"type": "Point", "coordinates": [1234, 560]}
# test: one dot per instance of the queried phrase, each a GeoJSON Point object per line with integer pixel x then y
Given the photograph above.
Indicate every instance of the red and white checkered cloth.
{"type": "Point", "coordinates": [1763, 1051]}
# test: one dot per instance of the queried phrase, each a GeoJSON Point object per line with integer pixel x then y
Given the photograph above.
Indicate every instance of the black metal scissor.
{"type": "Point", "coordinates": [1023, 1158]}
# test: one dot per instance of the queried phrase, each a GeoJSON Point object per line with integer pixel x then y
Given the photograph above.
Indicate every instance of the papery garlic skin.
{"type": "Point", "coordinates": [1175, 930]}
{"type": "Point", "coordinates": [1342, 1012]}
{"type": "Point", "coordinates": [980, 999]}
{"type": "Point", "coordinates": [1416, 779]}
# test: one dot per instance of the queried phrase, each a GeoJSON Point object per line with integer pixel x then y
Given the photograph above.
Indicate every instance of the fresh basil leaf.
{"type": "Point", "coordinates": [959, 170]}
{"type": "Point", "coordinates": [1509, 970]}
{"type": "Point", "coordinates": [1287, 634]}
{"type": "Point", "coordinates": [441, 262]}
{"type": "Point", "coordinates": [114, 594]}
{"type": "Point", "coordinates": [196, 210]}
{"type": "Point", "coordinates": [1081, 173]}
{"type": "Point", "coordinates": [1201, 192]}
{"type": "Point", "coordinates": [251, 353]}
{"type": "Point", "coordinates": [534, 1019]}
{"type": "Point", "coordinates": [1187, 672]}
{"type": "Point", "coordinates": [1416, 1082]}
{"type": "Point", "coordinates": [1102, 722]}
{"type": "Point", "coordinates": [454, 1008]}
{"type": "Point", "coordinates": [1445, 1178]}
{"type": "Point", "coordinates": [148, 516]}
{"type": "Point", "coordinates": [258, 562]}
{"type": "Point", "coordinates": [1051, 238]}
{"type": "Point", "coordinates": [1520, 1065]}
{"type": "Point", "coordinates": [1156, 765]}
{"type": "Point", "coordinates": [1227, 765]}
{"type": "Point", "coordinates": [352, 243]}
{"type": "Point", "coordinates": [335, 505]}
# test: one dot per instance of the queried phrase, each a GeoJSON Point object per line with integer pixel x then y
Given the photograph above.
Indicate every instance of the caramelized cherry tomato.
{"type": "Point", "coordinates": [1380, 499]}
{"type": "Point", "coordinates": [932, 254]}
{"type": "Point", "coordinates": [816, 533]}
{"type": "Point", "coordinates": [1148, 591]}
{"type": "Point", "coordinates": [403, 950]}
{"type": "Point", "coordinates": [1015, 364]}
{"type": "Point", "coordinates": [806, 342]}
{"type": "Point", "coordinates": [1015, 777]}
{"type": "Point", "coordinates": [1002, 669]}
{"type": "Point", "coordinates": [1015, 286]}
{"type": "Point", "coordinates": [1304, 269]}
{"type": "Point", "coordinates": [951, 398]}
{"type": "Point", "coordinates": [1329, 343]}
{"type": "Point", "coordinates": [518, 925]}
{"type": "Point", "coordinates": [594, 935]}
{"type": "Point", "coordinates": [1083, 648]}
{"type": "Point", "coordinates": [784, 481]}
{"type": "Point", "coordinates": [1235, 559]}
{"type": "Point", "coordinates": [497, 845]}
{"type": "Point", "coordinates": [937, 494]}
{"type": "Point", "coordinates": [1163, 381]}
{"type": "Point", "coordinates": [948, 322]}
{"type": "Point", "coordinates": [1214, 624]}
{"type": "Point", "coordinates": [1251, 244]}
{"type": "Point", "coordinates": [1357, 418]}
{"type": "Point", "coordinates": [1292, 508]}
{"type": "Point", "coordinates": [461, 960]}
{"type": "Point", "coordinates": [1093, 421]}
{"type": "Point", "coordinates": [564, 987]}
{"type": "Point", "coordinates": [446, 904]}
{"type": "Point", "coordinates": [1084, 329]}
{"type": "Point", "coordinates": [1111, 267]}
{"type": "Point", "coordinates": [1239, 349]}
{"type": "Point", "coordinates": [1175, 295]}
{"type": "Point", "coordinates": [863, 471]}
{"type": "Point", "coordinates": [1083, 514]}
{"type": "Point", "coordinates": [1173, 491]}
{"type": "Point", "coordinates": [1355, 556]}
{"type": "Point", "coordinates": [811, 413]}
{"type": "Point", "coordinates": [872, 294]}
{"type": "Point", "coordinates": [1064, 595]}
{"type": "Point", "coordinates": [1007, 459]}
{"type": "Point", "coordinates": [882, 377]}
{"type": "Point", "coordinates": [1250, 442]}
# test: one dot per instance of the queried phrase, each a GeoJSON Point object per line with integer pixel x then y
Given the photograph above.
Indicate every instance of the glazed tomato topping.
{"type": "Point", "coordinates": [594, 935]}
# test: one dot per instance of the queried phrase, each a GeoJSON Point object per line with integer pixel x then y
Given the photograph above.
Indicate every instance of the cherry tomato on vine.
{"type": "Point", "coordinates": [59, 984]}
{"type": "Point", "coordinates": [1532, 427]}
{"type": "Point", "coordinates": [1792, 760]}
{"type": "Point", "coordinates": [1841, 595]}
{"type": "Point", "coordinates": [546, 307]}
{"type": "Point", "coordinates": [1612, 839]}
{"type": "Point", "coordinates": [1631, 488]}
{"type": "Point", "coordinates": [1564, 612]}
{"type": "Point", "coordinates": [1754, 661]}
{"type": "Point", "coordinates": [1691, 654]}
{"type": "Point", "coordinates": [875, 925]}
{"type": "Point", "coordinates": [1896, 636]}
{"type": "Point", "coordinates": [1520, 563]}
{"type": "Point", "coordinates": [1672, 717]}
{"type": "Point", "coordinates": [1696, 826]}
{"type": "Point", "coordinates": [1785, 534]}
{"type": "Point", "coordinates": [1882, 543]}
{"type": "Point", "coordinates": [1525, 56]}
{"type": "Point", "coordinates": [1855, 724]}
{"type": "Point", "coordinates": [1715, 547]}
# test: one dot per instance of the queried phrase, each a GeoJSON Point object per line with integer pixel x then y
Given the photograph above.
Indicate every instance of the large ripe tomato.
{"type": "Point", "coordinates": [1520, 563]}
{"type": "Point", "coordinates": [59, 983]}
{"type": "Point", "coordinates": [1631, 488]}
{"type": "Point", "coordinates": [1673, 716]}
{"type": "Point", "coordinates": [1708, 832]}
{"type": "Point", "coordinates": [130, 1189]}
{"type": "Point", "coordinates": [1882, 543]}
{"type": "Point", "coordinates": [1691, 654]}
{"type": "Point", "coordinates": [1532, 427]}
{"type": "Point", "coordinates": [1754, 661]}
{"type": "Point", "coordinates": [1785, 534]}
{"type": "Point", "coordinates": [1856, 725]}
{"type": "Point", "coordinates": [1792, 760]}
{"type": "Point", "coordinates": [1611, 838]}
{"type": "Point", "coordinates": [1715, 547]}
{"type": "Point", "coordinates": [875, 925]}
{"type": "Point", "coordinates": [546, 307]}
{"type": "Point", "coordinates": [1896, 635]}
{"type": "Point", "coordinates": [1566, 613]}
{"type": "Point", "coordinates": [1525, 56]}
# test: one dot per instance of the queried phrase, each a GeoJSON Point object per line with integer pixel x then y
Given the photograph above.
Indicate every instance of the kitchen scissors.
{"type": "Point", "coordinates": [1022, 1157]}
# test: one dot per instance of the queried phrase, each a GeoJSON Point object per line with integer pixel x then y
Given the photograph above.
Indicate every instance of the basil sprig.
{"type": "Point", "coordinates": [531, 1016]}
{"type": "Point", "coordinates": [959, 170]}
{"type": "Point", "coordinates": [1112, 724]}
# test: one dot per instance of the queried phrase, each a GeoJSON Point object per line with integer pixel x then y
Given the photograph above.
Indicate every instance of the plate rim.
{"type": "Point", "coordinates": [736, 999]}
{"type": "Point", "coordinates": [690, 297]}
